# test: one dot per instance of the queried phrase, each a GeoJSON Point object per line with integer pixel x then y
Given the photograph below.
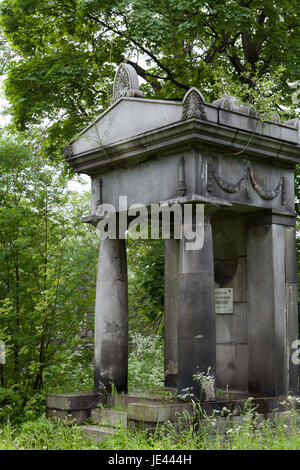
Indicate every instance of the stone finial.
{"type": "Point", "coordinates": [225, 102]}
{"type": "Point", "coordinates": [193, 105]}
{"type": "Point", "coordinates": [126, 83]}
{"type": "Point", "coordinates": [230, 103]}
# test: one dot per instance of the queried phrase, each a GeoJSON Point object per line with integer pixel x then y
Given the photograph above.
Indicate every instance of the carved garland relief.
{"type": "Point", "coordinates": [231, 188]}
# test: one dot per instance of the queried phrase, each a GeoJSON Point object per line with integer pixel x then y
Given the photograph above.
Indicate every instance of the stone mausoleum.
{"type": "Point", "coordinates": [230, 307]}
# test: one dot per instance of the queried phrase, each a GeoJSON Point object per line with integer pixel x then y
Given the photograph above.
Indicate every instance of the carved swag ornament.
{"type": "Point", "coordinates": [231, 188]}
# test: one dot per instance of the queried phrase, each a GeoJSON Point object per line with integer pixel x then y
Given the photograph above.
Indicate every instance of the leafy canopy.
{"type": "Point", "coordinates": [66, 52]}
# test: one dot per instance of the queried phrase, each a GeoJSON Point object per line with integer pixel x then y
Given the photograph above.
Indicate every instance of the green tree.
{"type": "Point", "coordinates": [46, 257]}
{"type": "Point", "coordinates": [146, 285]}
{"type": "Point", "coordinates": [67, 52]}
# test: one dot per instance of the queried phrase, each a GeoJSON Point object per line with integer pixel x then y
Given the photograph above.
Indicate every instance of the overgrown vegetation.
{"type": "Point", "coordinates": [215, 433]}
{"type": "Point", "coordinates": [47, 258]}
{"type": "Point", "coordinates": [146, 286]}
{"type": "Point", "coordinates": [146, 364]}
{"type": "Point", "coordinates": [208, 433]}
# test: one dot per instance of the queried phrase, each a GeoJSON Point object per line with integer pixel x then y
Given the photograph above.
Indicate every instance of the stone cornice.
{"type": "Point", "coordinates": [192, 133]}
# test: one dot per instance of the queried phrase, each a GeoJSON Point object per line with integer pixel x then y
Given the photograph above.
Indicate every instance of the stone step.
{"type": "Point", "coordinates": [158, 413]}
{"type": "Point", "coordinates": [110, 417]}
{"type": "Point", "coordinates": [73, 407]}
{"type": "Point", "coordinates": [145, 407]}
{"type": "Point", "coordinates": [155, 397]}
{"type": "Point", "coordinates": [72, 401]}
{"type": "Point", "coordinates": [97, 434]}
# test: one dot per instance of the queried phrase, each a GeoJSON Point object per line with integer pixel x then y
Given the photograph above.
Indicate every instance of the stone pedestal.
{"type": "Point", "coordinates": [196, 314]}
{"type": "Point", "coordinates": [172, 248]}
{"type": "Point", "coordinates": [111, 317]}
{"type": "Point", "coordinates": [71, 406]}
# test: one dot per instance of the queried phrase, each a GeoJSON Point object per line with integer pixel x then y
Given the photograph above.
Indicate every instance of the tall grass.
{"type": "Point", "coordinates": [251, 432]}
{"type": "Point", "coordinates": [43, 434]}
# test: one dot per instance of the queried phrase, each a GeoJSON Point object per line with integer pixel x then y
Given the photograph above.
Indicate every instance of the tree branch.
{"type": "Point", "coordinates": [146, 76]}
{"type": "Point", "coordinates": [170, 75]}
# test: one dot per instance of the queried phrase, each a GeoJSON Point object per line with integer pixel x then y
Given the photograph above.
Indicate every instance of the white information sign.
{"type": "Point", "coordinates": [224, 300]}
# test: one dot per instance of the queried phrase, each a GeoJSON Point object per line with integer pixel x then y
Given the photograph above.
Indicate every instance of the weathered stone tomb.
{"type": "Point", "coordinates": [231, 306]}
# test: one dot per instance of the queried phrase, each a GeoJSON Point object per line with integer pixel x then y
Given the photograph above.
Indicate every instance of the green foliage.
{"type": "Point", "coordinates": [145, 362]}
{"type": "Point", "coordinates": [219, 431]}
{"type": "Point", "coordinates": [66, 53]}
{"type": "Point", "coordinates": [243, 437]}
{"type": "Point", "coordinates": [43, 434]}
{"type": "Point", "coordinates": [146, 285]}
{"type": "Point", "coordinates": [47, 274]}
{"type": "Point", "coordinates": [250, 433]}
{"type": "Point", "coordinates": [263, 92]}
{"type": "Point", "coordinates": [47, 277]}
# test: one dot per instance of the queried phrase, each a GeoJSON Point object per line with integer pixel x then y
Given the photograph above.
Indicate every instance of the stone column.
{"type": "Point", "coordinates": [171, 311]}
{"type": "Point", "coordinates": [196, 312]}
{"type": "Point", "coordinates": [267, 317]}
{"type": "Point", "coordinates": [291, 287]}
{"type": "Point", "coordinates": [111, 316]}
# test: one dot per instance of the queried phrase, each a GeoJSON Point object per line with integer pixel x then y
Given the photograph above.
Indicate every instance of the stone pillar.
{"type": "Point", "coordinates": [291, 307]}
{"type": "Point", "coordinates": [196, 314]}
{"type": "Point", "coordinates": [171, 311]}
{"type": "Point", "coordinates": [267, 314]}
{"type": "Point", "coordinates": [111, 316]}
